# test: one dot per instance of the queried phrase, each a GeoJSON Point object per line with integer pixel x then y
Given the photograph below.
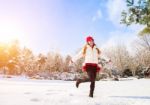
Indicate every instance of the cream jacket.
{"type": "Point", "coordinates": [91, 55]}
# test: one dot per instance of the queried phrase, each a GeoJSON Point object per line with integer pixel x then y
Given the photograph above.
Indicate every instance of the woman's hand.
{"type": "Point", "coordinates": [71, 62]}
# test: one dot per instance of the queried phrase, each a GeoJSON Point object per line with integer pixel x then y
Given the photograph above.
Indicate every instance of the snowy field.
{"type": "Point", "coordinates": [22, 91]}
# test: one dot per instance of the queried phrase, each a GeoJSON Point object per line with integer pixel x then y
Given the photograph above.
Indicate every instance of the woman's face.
{"type": "Point", "coordinates": [91, 42]}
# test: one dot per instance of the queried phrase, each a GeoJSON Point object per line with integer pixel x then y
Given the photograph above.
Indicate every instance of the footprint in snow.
{"type": "Point", "coordinates": [71, 94]}
{"type": "Point", "coordinates": [27, 93]}
{"type": "Point", "coordinates": [34, 100]}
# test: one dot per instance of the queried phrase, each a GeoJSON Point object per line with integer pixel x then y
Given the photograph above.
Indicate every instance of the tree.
{"type": "Point", "coordinates": [49, 61]}
{"type": "Point", "coordinates": [143, 50]}
{"type": "Point", "coordinates": [120, 57]}
{"type": "Point", "coordinates": [138, 13]}
{"type": "Point", "coordinates": [3, 55]}
{"type": "Point", "coordinates": [41, 61]}
{"type": "Point", "coordinates": [14, 50]}
{"type": "Point", "coordinates": [27, 61]}
{"type": "Point", "coordinates": [144, 42]}
{"type": "Point", "coordinates": [66, 63]}
{"type": "Point", "coordinates": [54, 62]}
{"type": "Point", "coordinates": [14, 53]}
{"type": "Point", "coordinates": [58, 63]}
{"type": "Point", "coordinates": [79, 64]}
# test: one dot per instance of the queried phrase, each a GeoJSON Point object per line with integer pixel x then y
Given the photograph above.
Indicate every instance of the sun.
{"type": "Point", "coordinates": [9, 32]}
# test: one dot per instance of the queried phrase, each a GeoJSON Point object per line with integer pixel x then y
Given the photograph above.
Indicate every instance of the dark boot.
{"type": "Point", "coordinates": [91, 94]}
{"type": "Point", "coordinates": [78, 82]}
{"type": "Point", "coordinates": [92, 86]}
{"type": "Point", "coordinates": [81, 80]}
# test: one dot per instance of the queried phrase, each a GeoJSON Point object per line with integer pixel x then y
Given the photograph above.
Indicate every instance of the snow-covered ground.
{"type": "Point", "coordinates": [22, 91]}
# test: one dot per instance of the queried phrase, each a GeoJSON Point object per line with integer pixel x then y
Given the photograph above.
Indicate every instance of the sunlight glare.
{"type": "Point", "coordinates": [9, 32]}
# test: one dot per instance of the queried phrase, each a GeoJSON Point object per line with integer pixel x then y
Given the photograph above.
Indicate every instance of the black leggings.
{"type": "Point", "coordinates": [91, 72]}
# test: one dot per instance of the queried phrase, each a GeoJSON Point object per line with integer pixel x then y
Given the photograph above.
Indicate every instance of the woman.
{"type": "Point", "coordinates": [91, 54]}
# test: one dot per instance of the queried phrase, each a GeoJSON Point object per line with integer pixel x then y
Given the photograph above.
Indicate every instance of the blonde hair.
{"type": "Point", "coordinates": [85, 47]}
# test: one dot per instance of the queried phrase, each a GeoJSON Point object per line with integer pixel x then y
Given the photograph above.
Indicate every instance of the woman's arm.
{"type": "Point", "coordinates": [78, 56]}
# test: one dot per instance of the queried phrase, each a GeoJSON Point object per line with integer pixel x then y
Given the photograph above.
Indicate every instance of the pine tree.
{"type": "Point", "coordinates": [138, 13]}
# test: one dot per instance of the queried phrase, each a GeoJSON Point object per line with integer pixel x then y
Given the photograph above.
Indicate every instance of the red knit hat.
{"type": "Point", "coordinates": [89, 38]}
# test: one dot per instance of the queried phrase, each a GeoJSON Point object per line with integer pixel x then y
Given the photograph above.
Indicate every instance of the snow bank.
{"type": "Point", "coordinates": [23, 91]}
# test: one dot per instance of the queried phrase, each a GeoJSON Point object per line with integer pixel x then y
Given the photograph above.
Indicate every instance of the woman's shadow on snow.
{"type": "Point", "coordinates": [132, 97]}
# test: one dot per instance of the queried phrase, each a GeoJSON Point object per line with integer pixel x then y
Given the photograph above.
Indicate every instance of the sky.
{"type": "Point", "coordinates": [63, 25]}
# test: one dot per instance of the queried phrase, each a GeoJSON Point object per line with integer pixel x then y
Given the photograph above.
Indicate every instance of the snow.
{"type": "Point", "coordinates": [23, 91]}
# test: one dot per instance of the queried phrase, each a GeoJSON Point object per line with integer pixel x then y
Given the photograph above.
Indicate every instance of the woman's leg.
{"type": "Point", "coordinates": [81, 80]}
{"type": "Point", "coordinates": [91, 71]}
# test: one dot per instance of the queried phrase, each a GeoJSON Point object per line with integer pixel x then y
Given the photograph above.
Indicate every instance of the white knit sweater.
{"type": "Point", "coordinates": [91, 55]}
